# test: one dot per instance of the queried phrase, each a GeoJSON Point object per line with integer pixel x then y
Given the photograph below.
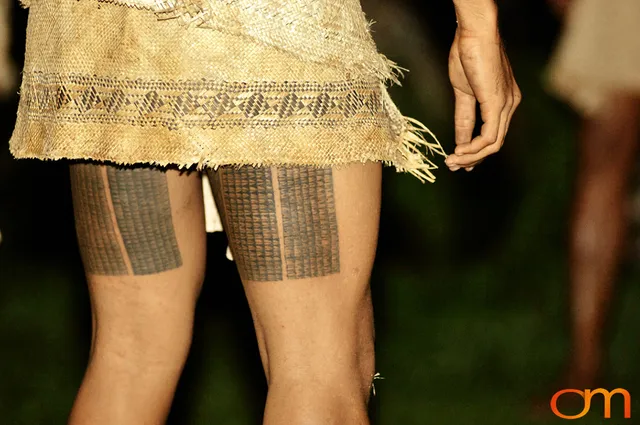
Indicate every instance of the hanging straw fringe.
{"type": "Point", "coordinates": [411, 149]}
{"type": "Point", "coordinates": [411, 142]}
{"type": "Point", "coordinates": [332, 33]}
{"type": "Point", "coordinates": [376, 377]}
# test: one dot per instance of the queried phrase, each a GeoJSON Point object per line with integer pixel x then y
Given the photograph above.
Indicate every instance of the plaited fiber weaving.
{"type": "Point", "coordinates": [254, 83]}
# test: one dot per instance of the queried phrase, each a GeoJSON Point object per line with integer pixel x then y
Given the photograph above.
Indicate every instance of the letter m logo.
{"type": "Point", "coordinates": [607, 400]}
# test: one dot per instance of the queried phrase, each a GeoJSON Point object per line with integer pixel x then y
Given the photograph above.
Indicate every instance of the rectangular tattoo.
{"type": "Point", "coordinates": [99, 246]}
{"type": "Point", "coordinates": [309, 221]}
{"type": "Point", "coordinates": [246, 200]}
{"type": "Point", "coordinates": [143, 212]}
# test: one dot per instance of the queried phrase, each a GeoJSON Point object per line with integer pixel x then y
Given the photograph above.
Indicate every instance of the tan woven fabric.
{"type": "Point", "coordinates": [113, 83]}
{"type": "Point", "coordinates": [333, 32]}
{"type": "Point", "coordinates": [598, 53]}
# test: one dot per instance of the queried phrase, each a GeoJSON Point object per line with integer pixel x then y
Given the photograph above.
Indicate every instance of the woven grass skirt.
{"type": "Point", "coordinates": [111, 83]}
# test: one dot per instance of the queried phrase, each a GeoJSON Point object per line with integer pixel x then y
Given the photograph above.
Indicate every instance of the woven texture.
{"type": "Point", "coordinates": [316, 30]}
{"type": "Point", "coordinates": [598, 53]}
{"type": "Point", "coordinates": [113, 83]}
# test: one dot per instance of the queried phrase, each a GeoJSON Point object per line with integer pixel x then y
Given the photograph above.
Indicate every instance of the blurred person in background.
{"type": "Point", "coordinates": [596, 69]}
{"type": "Point", "coordinates": [304, 238]}
{"type": "Point", "coordinates": [8, 77]}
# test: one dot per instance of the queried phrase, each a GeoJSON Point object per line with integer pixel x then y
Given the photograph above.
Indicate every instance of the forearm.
{"type": "Point", "coordinates": [476, 15]}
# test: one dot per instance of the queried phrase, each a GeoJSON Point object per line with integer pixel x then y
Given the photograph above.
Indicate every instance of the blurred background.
{"type": "Point", "coordinates": [470, 285]}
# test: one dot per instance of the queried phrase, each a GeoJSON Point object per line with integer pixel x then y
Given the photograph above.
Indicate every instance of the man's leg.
{"type": "Point", "coordinates": [304, 240]}
{"type": "Point", "coordinates": [142, 239]}
{"type": "Point", "coordinates": [608, 149]}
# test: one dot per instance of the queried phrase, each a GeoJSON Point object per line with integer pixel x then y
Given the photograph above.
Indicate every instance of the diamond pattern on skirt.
{"type": "Point", "coordinates": [201, 103]}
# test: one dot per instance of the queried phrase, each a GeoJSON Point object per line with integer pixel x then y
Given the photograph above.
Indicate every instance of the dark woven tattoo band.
{"type": "Point", "coordinates": [245, 197]}
{"type": "Point", "coordinates": [309, 222]}
{"type": "Point", "coordinates": [303, 236]}
{"type": "Point", "coordinates": [124, 221]}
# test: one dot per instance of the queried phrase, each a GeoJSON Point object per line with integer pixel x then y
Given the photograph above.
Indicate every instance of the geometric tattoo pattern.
{"type": "Point", "coordinates": [99, 247]}
{"type": "Point", "coordinates": [309, 222]}
{"type": "Point", "coordinates": [246, 199]}
{"type": "Point", "coordinates": [123, 220]}
{"type": "Point", "coordinates": [143, 213]}
{"type": "Point", "coordinates": [303, 235]}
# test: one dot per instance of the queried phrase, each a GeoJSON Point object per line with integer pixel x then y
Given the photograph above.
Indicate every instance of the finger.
{"type": "Point", "coordinates": [491, 117]}
{"type": "Point", "coordinates": [465, 117]}
{"type": "Point", "coordinates": [504, 123]}
{"type": "Point", "coordinates": [516, 95]}
{"type": "Point", "coordinates": [517, 99]}
{"type": "Point", "coordinates": [466, 167]}
{"type": "Point", "coordinates": [471, 160]}
{"type": "Point", "coordinates": [470, 167]}
{"type": "Point", "coordinates": [509, 111]}
{"type": "Point", "coordinates": [473, 165]}
{"type": "Point", "coordinates": [455, 161]}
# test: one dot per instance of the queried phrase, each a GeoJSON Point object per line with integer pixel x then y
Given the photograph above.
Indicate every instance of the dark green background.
{"type": "Point", "coordinates": [470, 282]}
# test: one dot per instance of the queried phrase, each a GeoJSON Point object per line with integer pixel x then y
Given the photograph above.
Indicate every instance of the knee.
{"type": "Point", "coordinates": [336, 368]}
{"type": "Point", "coordinates": [143, 324]}
{"type": "Point", "coordinates": [323, 392]}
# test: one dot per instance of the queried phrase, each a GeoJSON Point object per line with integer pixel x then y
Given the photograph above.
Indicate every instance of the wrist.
{"type": "Point", "coordinates": [477, 17]}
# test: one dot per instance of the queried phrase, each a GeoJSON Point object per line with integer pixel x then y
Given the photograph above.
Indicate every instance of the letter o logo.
{"type": "Point", "coordinates": [554, 404]}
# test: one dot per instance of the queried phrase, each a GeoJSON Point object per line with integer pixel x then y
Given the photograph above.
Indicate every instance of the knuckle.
{"type": "Point", "coordinates": [517, 96]}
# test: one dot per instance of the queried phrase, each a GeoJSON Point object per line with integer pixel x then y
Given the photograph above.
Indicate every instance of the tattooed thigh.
{"type": "Point", "coordinates": [123, 220]}
{"type": "Point", "coordinates": [281, 222]}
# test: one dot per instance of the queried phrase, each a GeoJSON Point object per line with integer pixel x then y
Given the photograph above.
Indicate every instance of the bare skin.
{"type": "Point", "coordinates": [481, 75]}
{"type": "Point", "coordinates": [142, 239]}
{"type": "Point", "coordinates": [304, 241]}
{"type": "Point", "coordinates": [312, 311]}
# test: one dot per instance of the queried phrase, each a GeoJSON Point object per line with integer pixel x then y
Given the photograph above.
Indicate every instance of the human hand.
{"type": "Point", "coordinates": [480, 72]}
